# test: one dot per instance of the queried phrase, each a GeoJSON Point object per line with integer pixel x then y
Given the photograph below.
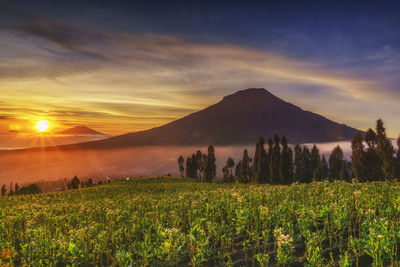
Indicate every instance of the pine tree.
{"type": "Point", "coordinates": [225, 172]}
{"type": "Point", "coordinates": [245, 170]}
{"type": "Point", "coordinates": [238, 169]}
{"type": "Point", "coordinates": [16, 189]}
{"type": "Point", "coordinates": [322, 171]}
{"type": "Point", "coordinates": [181, 161]}
{"type": "Point", "coordinates": [373, 163]}
{"type": "Point", "coordinates": [259, 170]}
{"type": "Point", "coordinates": [336, 164]}
{"type": "Point", "coordinates": [210, 167]}
{"type": "Point", "coordinates": [315, 158]}
{"type": "Point", "coordinates": [194, 167]}
{"type": "Point", "coordinates": [3, 190]}
{"type": "Point", "coordinates": [230, 163]}
{"type": "Point", "coordinates": [358, 157]}
{"type": "Point", "coordinates": [385, 152]}
{"type": "Point", "coordinates": [269, 159]}
{"type": "Point", "coordinates": [75, 182]}
{"type": "Point", "coordinates": [274, 163]}
{"type": "Point", "coordinates": [286, 163]}
{"type": "Point", "coordinates": [11, 193]}
{"type": "Point", "coordinates": [298, 155]}
{"type": "Point", "coordinates": [307, 165]}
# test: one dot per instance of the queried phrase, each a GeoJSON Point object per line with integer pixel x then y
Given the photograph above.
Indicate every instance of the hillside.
{"type": "Point", "coordinates": [80, 130]}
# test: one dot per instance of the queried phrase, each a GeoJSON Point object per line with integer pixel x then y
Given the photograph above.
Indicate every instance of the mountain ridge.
{"type": "Point", "coordinates": [80, 129]}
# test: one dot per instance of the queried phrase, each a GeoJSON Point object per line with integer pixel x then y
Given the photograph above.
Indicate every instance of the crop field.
{"type": "Point", "coordinates": [173, 221]}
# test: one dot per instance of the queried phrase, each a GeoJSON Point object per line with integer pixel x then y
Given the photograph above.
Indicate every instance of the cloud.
{"type": "Point", "coordinates": [85, 74]}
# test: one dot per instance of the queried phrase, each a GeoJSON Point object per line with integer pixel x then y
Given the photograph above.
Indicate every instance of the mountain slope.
{"type": "Point", "coordinates": [80, 130]}
{"type": "Point", "coordinates": [239, 118]}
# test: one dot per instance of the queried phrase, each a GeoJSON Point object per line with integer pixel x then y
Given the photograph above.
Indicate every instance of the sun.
{"type": "Point", "coordinates": [42, 126]}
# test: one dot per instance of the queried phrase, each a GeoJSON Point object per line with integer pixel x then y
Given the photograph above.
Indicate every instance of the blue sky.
{"type": "Point", "coordinates": [125, 66]}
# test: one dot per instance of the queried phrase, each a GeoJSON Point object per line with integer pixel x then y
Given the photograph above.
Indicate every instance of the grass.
{"type": "Point", "coordinates": [173, 221]}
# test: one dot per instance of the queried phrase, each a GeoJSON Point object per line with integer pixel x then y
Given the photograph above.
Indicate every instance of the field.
{"type": "Point", "coordinates": [173, 221]}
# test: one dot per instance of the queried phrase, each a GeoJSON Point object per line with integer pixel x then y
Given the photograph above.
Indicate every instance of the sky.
{"type": "Point", "coordinates": [123, 66]}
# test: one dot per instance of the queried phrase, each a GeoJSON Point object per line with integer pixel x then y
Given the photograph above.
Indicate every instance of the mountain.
{"type": "Point", "coordinates": [239, 118]}
{"type": "Point", "coordinates": [77, 130]}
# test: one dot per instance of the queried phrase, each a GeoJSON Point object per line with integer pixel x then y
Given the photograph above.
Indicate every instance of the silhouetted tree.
{"type": "Point", "coordinates": [238, 169]}
{"type": "Point", "coordinates": [89, 182]}
{"type": "Point", "coordinates": [11, 193]}
{"type": "Point", "coordinates": [307, 165]}
{"type": "Point", "coordinates": [210, 167]}
{"type": "Point", "coordinates": [322, 171]}
{"type": "Point", "coordinates": [16, 188]}
{"type": "Point", "coordinates": [226, 174]}
{"type": "Point", "coordinates": [259, 173]}
{"type": "Point", "coordinates": [373, 163]}
{"type": "Point", "coordinates": [274, 163]}
{"type": "Point", "coordinates": [358, 157]}
{"type": "Point", "coordinates": [315, 158]}
{"type": "Point", "coordinates": [181, 161]}
{"type": "Point", "coordinates": [230, 163]}
{"type": "Point", "coordinates": [3, 190]}
{"type": "Point", "coordinates": [398, 158]}
{"type": "Point", "coordinates": [75, 182]}
{"type": "Point", "coordinates": [385, 152]}
{"type": "Point", "coordinates": [299, 169]}
{"type": "Point", "coordinates": [194, 167]}
{"type": "Point", "coordinates": [245, 170]}
{"type": "Point", "coordinates": [337, 164]}
{"type": "Point", "coordinates": [189, 167]}
{"type": "Point", "coordinates": [286, 163]}
{"type": "Point", "coordinates": [269, 159]}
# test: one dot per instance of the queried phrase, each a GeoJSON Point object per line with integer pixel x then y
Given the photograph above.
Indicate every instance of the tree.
{"type": "Point", "coordinates": [210, 167]}
{"type": "Point", "coordinates": [274, 163]}
{"type": "Point", "coordinates": [307, 165]}
{"type": "Point", "coordinates": [322, 171]}
{"type": "Point", "coordinates": [245, 170]}
{"type": "Point", "coordinates": [3, 190]}
{"type": "Point", "coordinates": [16, 188]}
{"type": "Point", "coordinates": [227, 171]}
{"type": "Point", "coordinates": [11, 193]}
{"type": "Point", "coordinates": [238, 169]}
{"type": "Point", "coordinates": [181, 161]}
{"type": "Point", "coordinates": [337, 164]}
{"type": "Point", "coordinates": [398, 158]}
{"type": "Point", "coordinates": [259, 170]}
{"type": "Point", "coordinates": [373, 164]}
{"type": "Point", "coordinates": [298, 155]}
{"type": "Point", "coordinates": [194, 167]}
{"type": "Point", "coordinates": [269, 158]}
{"type": "Point", "coordinates": [189, 167]}
{"type": "Point", "coordinates": [226, 174]}
{"type": "Point", "coordinates": [286, 163]}
{"type": "Point", "coordinates": [75, 182]}
{"type": "Point", "coordinates": [315, 158]}
{"type": "Point", "coordinates": [358, 157]}
{"type": "Point", "coordinates": [89, 182]}
{"type": "Point", "coordinates": [385, 152]}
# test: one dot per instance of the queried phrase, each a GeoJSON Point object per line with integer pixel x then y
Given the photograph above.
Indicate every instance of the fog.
{"type": "Point", "coordinates": [30, 166]}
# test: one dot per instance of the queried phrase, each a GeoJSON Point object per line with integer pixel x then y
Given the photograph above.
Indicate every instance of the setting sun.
{"type": "Point", "coordinates": [42, 126]}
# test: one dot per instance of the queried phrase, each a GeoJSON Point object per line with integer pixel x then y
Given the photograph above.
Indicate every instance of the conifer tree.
{"type": "Point", "coordinates": [336, 164]}
{"type": "Point", "coordinates": [322, 171]}
{"type": "Point", "coordinates": [181, 161]}
{"type": "Point", "coordinates": [269, 157]}
{"type": "Point", "coordinates": [11, 193]}
{"type": "Point", "coordinates": [230, 163]}
{"type": "Point", "coordinates": [210, 167]}
{"type": "Point", "coordinates": [225, 172]}
{"type": "Point", "coordinates": [315, 158]}
{"type": "Point", "coordinates": [16, 189]}
{"type": "Point", "coordinates": [274, 163]}
{"type": "Point", "coordinates": [358, 157]}
{"type": "Point", "coordinates": [245, 170]}
{"type": "Point", "coordinates": [286, 163]}
{"type": "Point", "coordinates": [298, 155]}
{"type": "Point", "coordinates": [307, 165]}
{"type": "Point", "coordinates": [238, 168]}
{"type": "Point", "coordinates": [3, 190]}
{"type": "Point", "coordinates": [385, 152]}
{"type": "Point", "coordinates": [373, 163]}
{"type": "Point", "coordinates": [194, 167]}
{"type": "Point", "coordinates": [259, 170]}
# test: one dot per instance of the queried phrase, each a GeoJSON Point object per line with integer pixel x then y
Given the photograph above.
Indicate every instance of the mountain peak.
{"type": "Point", "coordinates": [81, 129]}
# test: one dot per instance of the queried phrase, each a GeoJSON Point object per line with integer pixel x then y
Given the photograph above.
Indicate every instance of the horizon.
{"type": "Point", "coordinates": [125, 67]}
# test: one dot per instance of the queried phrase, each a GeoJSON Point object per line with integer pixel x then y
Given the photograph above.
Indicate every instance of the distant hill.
{"type": "Point", "coordinates": [239, 118]}
{"type": "Point", "coordinates": [80, 130]}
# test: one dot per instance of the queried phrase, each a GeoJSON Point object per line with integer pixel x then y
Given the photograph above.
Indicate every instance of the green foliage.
{"type": "Point", "coordinates": [171, 221]}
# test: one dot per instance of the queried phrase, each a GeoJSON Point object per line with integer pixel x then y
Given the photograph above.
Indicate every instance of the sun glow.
{"type": "Point", "coordinates": [42, 126]}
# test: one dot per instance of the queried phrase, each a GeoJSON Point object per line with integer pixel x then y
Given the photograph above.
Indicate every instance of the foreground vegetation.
{"type": "Point", "coordinates": [169, 221]}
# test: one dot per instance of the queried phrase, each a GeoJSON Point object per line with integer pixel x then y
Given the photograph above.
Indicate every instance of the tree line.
{"type": "Point", "coordinates": [373, 158]}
